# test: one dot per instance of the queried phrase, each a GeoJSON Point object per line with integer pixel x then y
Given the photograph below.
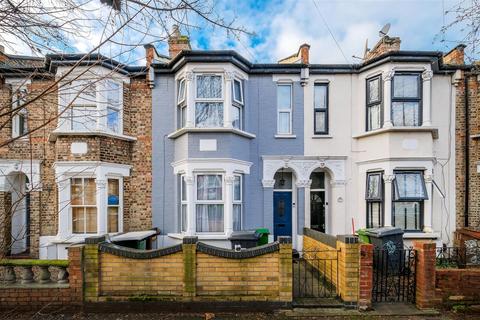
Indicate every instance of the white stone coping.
{"type": "Point", "coordinates": [432, 130]}
{"type": "Point", "coordinates": [421, 235]}
{"type": "Point", "coordinates": [182, 131]}
{"type": "Point", "coordinates": [55, 134]}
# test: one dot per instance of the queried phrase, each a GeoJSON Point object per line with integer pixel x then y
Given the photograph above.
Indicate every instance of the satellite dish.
{"type": "Point", "coordinates": [384, 31]}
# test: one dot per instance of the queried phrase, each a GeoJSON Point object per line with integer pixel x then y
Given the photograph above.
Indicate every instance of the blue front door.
{"type": "Point", "coordinates": [282, 213]}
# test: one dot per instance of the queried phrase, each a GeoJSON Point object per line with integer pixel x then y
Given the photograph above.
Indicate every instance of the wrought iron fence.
{"type": "Point", "coordinates": [459, 257]}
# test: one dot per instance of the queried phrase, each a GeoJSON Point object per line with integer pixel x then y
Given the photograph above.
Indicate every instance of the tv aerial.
{"type": "Point", "coordinates": [384, 31]}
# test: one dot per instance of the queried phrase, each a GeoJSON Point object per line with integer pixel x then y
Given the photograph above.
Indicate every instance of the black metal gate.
{"type": "Point", "coordinates": [394, 275]}
{"type": "Point", "coordinates": [315, 274]}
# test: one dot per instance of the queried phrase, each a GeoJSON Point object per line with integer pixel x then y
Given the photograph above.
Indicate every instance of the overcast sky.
{"type": "Point", "coordinates": [278, 27]}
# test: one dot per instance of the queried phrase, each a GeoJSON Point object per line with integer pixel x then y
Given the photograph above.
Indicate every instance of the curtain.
{"type": "Point", "coordinates": [405, 86]}
{"type": "Point", "coordinates": [237, 217]}
{"type": "Point", "coordinates": [405, 113]}
{"type": "Point", "coordinates": [209, 187]}
{"type": "Point", "coordinates": [374, 117]}
{"type": "Point", "coordinates": [373, 90]}
{"type": "Point", "coordinates": [409, 185]}
{"type": "Point", "coordinates": [373, 191]}
{"type": "Point", "coordinates": [284, 122]}
{"type": "Point", "coordinates": [209, 87]}
{"type": "Point", "coordinates": [208, 114]}
{"type": "Point", "coordinates": [407, 215]}
{"type": "Point", "coordinates": [209, 217]}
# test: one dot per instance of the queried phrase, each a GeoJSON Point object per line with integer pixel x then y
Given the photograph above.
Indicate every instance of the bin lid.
{"type": "Point", "coordinates": [244, 235]}
{"type": "Point", "coordinates": [383, 232]}
{"type": "Point", "coordinates": [262, 231]}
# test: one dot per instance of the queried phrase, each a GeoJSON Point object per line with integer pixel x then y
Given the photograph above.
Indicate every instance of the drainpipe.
{"type": "Point", "coordinates": [467, 151]}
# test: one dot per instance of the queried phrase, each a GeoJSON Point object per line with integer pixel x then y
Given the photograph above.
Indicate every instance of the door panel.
{"type": "Point", "coordinates": [282, 213]}
{"type": "Point", "coordinates": [317, 210]}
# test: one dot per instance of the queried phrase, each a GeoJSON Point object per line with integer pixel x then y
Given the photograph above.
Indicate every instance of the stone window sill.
{"type": "Point", "coordinates": [183, 131]}
{"type": "Point", "coordinates": [55, 134]}
{"type": "Point", "coordinates": [285, 136]}
{"type": "Point", "coordinates": [432, 130]}
{"type": "Point", "coordinates": [211, 236]}
{"type": "Point", "coordinates": [421, 235]}
{"type": "Point", "coordinates": [322, 136]}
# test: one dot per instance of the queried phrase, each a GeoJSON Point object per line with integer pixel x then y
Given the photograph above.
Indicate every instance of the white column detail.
{"type": "Point", "coordinates": [101, 206]}
{"type": "Point", "coordinates": [191, 221]}
{"type": "Point", "coordinates": [190, 87]}
{"type": "Point", "coordinates": [387, 99]}
{"type": "Point", "coordinates": [427, 98]}
{"type": "Point", "coordinates": [427, 205]}
{"type": "Point", "coordinates": [63, 207]}
{"type": "Point", "coordinates": [308, 217]}
{"type": "Point", "coordinates": [228, 207]}
{"type": "Point", "coordinates": [227, 110]}
{"type": "Point", "coordinates": [387, 214]}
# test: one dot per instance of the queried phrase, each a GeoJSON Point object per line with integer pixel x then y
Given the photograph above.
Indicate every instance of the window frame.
{"type": "Point", "coordinates": [19, 98]}
{"type": "Point", "coordinates": [424, 187]}
{"type": "Point", "coordinates": [420, 201]}
{"type": "Point", "coordinates": [241, 101]}
{"type": "Point", "coordinates": [370, 104]}
{"type": "Point", "coordinates": [290, 111]}
{"type": "Point", "coordinates": [237, 202]}
{"type": "Point", "coordinates": [324, 110]}
{"type": "Point", "coordinates": [118, 108]}
{"type": "Point", "coordinates": [370, 201]}
{"type": "Point", "coordinates": [418, 99]}
{"type": "Point", "coordinates": [209, 100]}
{"type": "Point", "coordinates": [120, 203]}
{"type": "Point", "coordinates": [181, 99]}
{"type": "Point", "coordinates": [183, 191]}
{"type": "Point", "coordinates": [208, 202]}
{"type": "Point", "coordinates": [71, 206]}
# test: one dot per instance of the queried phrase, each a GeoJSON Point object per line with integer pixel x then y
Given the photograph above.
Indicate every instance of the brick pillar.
{"type": "Point", "coordinates": [5, 222]}
{"type": "Point", "coordinates": [425, 274]}
{"type": "Point", "coordinates": [91, 264]}
{"type": "Point", "coordinates": [35, 207]}
{"type": "Point", "coordinates": [75, 275]}
{"type": "Point", "coordinates": [189, 248]}
{"type": "Point", "coordinates": [366, 277]}
{"type": "Point", "coordinates": [285, 269]}
{"type": "Point", "coordinates": [348, 269]}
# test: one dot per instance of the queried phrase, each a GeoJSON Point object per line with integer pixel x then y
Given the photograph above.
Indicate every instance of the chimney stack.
{"type": "Point", "coordinates": [384, 45]}
{"type": "Point", "coordinates": [456, 56]}
{"type": "Point", "coordinates": [177, 42]}
{"type": "Point", "coordinates": [305, 53]}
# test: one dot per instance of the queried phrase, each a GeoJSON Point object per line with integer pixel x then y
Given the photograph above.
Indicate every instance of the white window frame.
{"type": "Point", "coordinates": [200, 202]}
{"type": "Point", "coordinates": [17, 101]}
{"type": "Point", "coordinates": [181, 99]}
{"type": "Point", "coordinates": [83, 177]}
{"type": "Point", "coordinates": [181, 104]}
{"type": "Point", "coordinates": [120, 203]}
{"type": "Point", "coordinates": [241, 101]}
{"type": "Point", "coordinates": [290, 112]}
{"type": "Point", "coordinates": [238, 202]}
{"type": "Point", "coordinates": [118, 108]}
{"type": "Point", "coordinates": [183, 220]}
{"type": "Point", "coordinates": [207, 100]}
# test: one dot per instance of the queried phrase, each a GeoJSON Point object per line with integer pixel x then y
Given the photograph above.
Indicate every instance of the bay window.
{"type": "Point", "coordinates": [409, 193]}
{"type": "Point", "coordinates": [113, 106]}
{"type": "Point", "coordinates": [183, 203]}
{"type": "Point", "coordinates": [19, 120]}
{"type": "Point", "coordinates": [320, 108]}
{"type": "Point", "coordinates": [84, 205]}
{"type": "Point", "coordinates": [407, 99]}
{"type": "Point", "coordinates": [181, 103]}
{"type": "Point", "coordinates": [284, 109]}
{"type": "Point", "coordinates": [237, 203]}
{"type": "Point", "coordinates": [209, 203]}
{"type": "Point", "coordinates": [374, 103]}
{"type": "Point", "coordinates": [113, 205]}
{"type": "Point", "coordinates": [374, 198]}
{"type": "Point", "coordinates": [209, 101]}
{"type": "Point", "coordinates": [237, 107]}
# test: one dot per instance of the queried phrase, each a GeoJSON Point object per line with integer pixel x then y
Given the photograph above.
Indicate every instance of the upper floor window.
{"type": "Point", "coordinates": [409, 193]}
{"type": "Point", "coordinates": [374, 103]}
{"type": "Point", "coordinates": [93, 104]}
{"type": "Point", "coordinates": [374, 198]}
{"type": "Point", "coordinates": [181, 103]}
{"type": "Point", "coordinates": [406, 99]}
{"type": "Point", "coordinates": [284, 109]}
{"type": "Point", "coordinates": [209, 101]}
{"type": "Point", "coordinates": [237, 107]}
{"type": "Point", "coordinates": [320, 108]}
{"type": "Point", "coordinates": [19, 120]}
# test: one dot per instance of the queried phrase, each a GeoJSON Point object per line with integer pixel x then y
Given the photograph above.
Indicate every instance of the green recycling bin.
{"type": "Point", "coordinates": [263, 232]}
{"type": "Point", "coordinates": [363, 235]}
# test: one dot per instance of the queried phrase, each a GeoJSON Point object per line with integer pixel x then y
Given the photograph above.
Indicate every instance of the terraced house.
{"type": "Point", "coordinates": [79, 160]}
{"type": "Point", "coordinates": [239, 145]}
{"type": "Point", "coordinates": [205, 143]}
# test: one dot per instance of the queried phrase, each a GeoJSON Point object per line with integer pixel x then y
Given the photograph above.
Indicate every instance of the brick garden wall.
{"type": "Point", "coordinates": [457, 282]}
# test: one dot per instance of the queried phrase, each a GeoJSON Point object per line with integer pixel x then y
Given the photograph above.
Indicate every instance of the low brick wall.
{"type": "Point", "coordinates": [188, 272]}
{"type": "Point", "coordinates": [34, 295]}
{"type": "Point", "coordinates": [462, 283]}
